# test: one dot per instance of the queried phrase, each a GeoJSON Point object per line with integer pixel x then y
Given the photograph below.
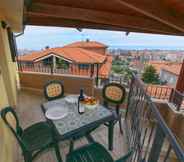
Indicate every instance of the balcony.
{"type": "Point", "coordinates": [145, 126]}
{"type": "Point", "coordinates": [173, 97]}
{"type": "Point", "coordinates": [147, 129]}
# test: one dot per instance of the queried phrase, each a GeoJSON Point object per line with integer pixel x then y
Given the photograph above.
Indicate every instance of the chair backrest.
{"type": "Point", "coordinates": [15, 129]}
{"type": "Point", "coordinates": [53, 90]}
{"type": "Point", "coordinates": [114, 93]}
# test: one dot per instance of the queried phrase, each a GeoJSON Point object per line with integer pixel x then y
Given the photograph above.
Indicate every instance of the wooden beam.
{"type": "Point", "coordinates": [156, 10]}
{"type": "Point", "coordinates": [180, 82]}
{"type": "Point", "coordinates": [98, 17]}
{"type": "Point", "coordinates": [49, 21]}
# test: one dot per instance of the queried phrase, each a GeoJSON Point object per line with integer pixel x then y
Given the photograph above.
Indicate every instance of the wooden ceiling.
{"type": "Point", "coordinates": [11, 12]}
{"type": "Point", "coordinates": [148, 16]}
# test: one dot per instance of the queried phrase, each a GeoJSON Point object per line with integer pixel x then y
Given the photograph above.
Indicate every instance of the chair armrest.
{"type": "Point", "coordinates": [125, 157]}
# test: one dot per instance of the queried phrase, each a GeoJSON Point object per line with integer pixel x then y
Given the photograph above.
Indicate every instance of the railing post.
{"type": "Point", "coordinates": [20, 66]}
{"type": "Point", "coordinates": [92, 70]}
{"type": "Point", "coordinates": [180, 102]}
{"type": "Point", "coordinates": [171, 95]}
{"type": "Point", "coordinates": [52, 69]}
{"type": "Point", "coordinates": [157, 145]}
{"type": "Point", "coordinates": [97, 73]}
{"type": "Point", "coordinates": [129, 95]}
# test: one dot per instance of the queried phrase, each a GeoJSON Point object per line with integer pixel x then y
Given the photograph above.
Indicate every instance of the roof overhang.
{"type": "Point", "coordinates": [153, 16]}
{"type": "Point", "coordinates": [50, 55]}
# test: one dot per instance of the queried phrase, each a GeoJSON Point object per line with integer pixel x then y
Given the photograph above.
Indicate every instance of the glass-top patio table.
{"type": "Point", "coordinates": [74, 123]}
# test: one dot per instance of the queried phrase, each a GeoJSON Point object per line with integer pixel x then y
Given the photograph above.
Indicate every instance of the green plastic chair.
{"type": "Point", "coordinates": [94, 152]}
{"type": "Point", "coordinates": [115, 94]}
{"type": "Point", "coordinates": [34, 139]}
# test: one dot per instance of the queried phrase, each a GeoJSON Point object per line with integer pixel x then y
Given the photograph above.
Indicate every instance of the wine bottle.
{"type": "Point", "coordinates": [80, 99]}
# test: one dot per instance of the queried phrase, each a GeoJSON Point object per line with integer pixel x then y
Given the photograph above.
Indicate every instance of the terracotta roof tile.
{"type": "Point", "coordinates": [166, 65]}
{"type": "Point", "coordinates": [105, 69]}
{"type": "Point", "coordinates": [77, 55]}
{"type": "Point", "coordinates": [158, 65]}
{"type": "Point", "coordinates": [86, 44]}
{"type": "Point", "coordinates": [175, 68]}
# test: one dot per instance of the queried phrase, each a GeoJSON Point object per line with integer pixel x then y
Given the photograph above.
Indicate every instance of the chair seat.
{"type": "Point", "coordinates": [94, 152]}
{"type": "Point", "coordinates": [37, 136]}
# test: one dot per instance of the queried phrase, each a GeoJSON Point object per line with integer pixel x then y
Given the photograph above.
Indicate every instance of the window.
{"type": "Point", "coordinates": [47, 61]}
{"type": "Point", "coordinates": [83, 66]}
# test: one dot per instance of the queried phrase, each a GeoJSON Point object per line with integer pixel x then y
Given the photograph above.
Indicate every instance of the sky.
{"type": "Point", "coordinates": [37, 37]}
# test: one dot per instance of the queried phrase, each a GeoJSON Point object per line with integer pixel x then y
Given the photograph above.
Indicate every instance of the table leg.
{"type": "Point", "coordinates": [110, 135]}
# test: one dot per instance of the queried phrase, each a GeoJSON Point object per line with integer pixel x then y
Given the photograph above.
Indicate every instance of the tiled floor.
{"type": "Point", "coordinates": [29, 112]}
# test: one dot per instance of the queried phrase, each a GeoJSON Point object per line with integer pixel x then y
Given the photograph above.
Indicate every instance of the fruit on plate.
{"type": "Point", "coordinates": [90, 101]}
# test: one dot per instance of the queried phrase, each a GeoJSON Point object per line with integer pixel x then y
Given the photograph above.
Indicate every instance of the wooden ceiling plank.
{"type": "Point", "coordinates": [101, 17]}
{"type": "Point", "coordinates": [47, 21]}
{"type": "Point", "coordinates": [157, 12]}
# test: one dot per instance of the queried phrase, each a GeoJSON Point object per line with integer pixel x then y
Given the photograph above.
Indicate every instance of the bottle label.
{"type": "Point", "coordinates": [81, 108]}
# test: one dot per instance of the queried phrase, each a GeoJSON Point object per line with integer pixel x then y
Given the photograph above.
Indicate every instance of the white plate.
{"type": "Point", "coordinates": [56, 113]}
{"type": "Point", "coordinates": [71, 99]}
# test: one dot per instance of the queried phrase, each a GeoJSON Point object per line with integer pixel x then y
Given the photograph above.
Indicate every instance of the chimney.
{"type": "Point", "coordinates": [87, 40]}
{"type": "Point", "coordinates": [47, 47]}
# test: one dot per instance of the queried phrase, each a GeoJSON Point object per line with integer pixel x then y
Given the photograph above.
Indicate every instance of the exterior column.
{"type": "Point", "coordinates": [180, 82]}
{"type": "Point", "coordinates": [54, 62]}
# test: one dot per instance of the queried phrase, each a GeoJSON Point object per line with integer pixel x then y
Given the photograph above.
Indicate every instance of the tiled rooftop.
{"type": "Point", "coordinates": [175, 68]}
{"type": "Point", "coordinates": [106, 68]}
{"type": "Point", "coordinates": [167, 66]}
{"type": "Point", "coordinates": [87, 44]}
{"type": "Point", "coordinates": [77, 55]}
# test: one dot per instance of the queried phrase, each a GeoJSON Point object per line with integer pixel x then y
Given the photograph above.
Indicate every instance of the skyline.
{"type": "Point", "coordinates": [37, 37]}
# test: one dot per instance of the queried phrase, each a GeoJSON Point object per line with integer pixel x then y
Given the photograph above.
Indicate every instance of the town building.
{"type": "Point", "coordinates": [168, 71]}
{"type": "Point", "coordinates": [78, 58]}
{"type": "Point", "coordinates": [169, 74]}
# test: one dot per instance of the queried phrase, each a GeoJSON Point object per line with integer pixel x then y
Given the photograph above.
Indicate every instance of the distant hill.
{"type": "Point", "coordinates": [24, 51]}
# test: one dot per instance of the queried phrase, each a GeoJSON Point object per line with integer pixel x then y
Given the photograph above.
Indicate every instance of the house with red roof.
{"type": "Point", "coordinates": [78, 58]}
{"type": "Point", "coordinates": [90, 45]}
{"type": "Point", "coordinates": [168, 71]}
{"type": "Point", "coordinates": [169, 74]}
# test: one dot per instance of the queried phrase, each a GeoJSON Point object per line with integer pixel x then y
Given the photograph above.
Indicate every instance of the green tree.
{"type": "Point", "coordinates": [150, 75]}
{"type": "Point", "coordinates": [116, 69]}
{"type": "Point", "coordinates": [62, 64]}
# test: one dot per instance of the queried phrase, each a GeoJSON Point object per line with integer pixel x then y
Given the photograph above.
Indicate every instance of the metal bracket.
{"type": "Point", "coordinates": [3, 24]}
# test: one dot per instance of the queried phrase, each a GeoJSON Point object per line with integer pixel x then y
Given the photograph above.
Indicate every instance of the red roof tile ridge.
{"type": "Point", "coordinates": [85, 44]}
{"type": "Point", "coordinates": [93, 53]}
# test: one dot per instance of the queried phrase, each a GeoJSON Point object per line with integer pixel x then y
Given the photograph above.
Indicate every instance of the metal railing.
{"type": "Point", "coordinates": [158, 91]}
{"type": "Point", "coordinates": [73, 69]}
{"type": "Point", "coordinates": [177, 98]}
{"type": "Point", "coordinates": [147, 131]}
{"type": "Point", "coordinates": [166, 93]}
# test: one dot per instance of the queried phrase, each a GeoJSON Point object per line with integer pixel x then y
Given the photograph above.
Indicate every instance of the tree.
{"type": "Point", "coordinates": [116, 69]}
{"type": "Point", "coordinates": [62, 64]}
{"type": "Point", "coordinates": [150, 75]}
